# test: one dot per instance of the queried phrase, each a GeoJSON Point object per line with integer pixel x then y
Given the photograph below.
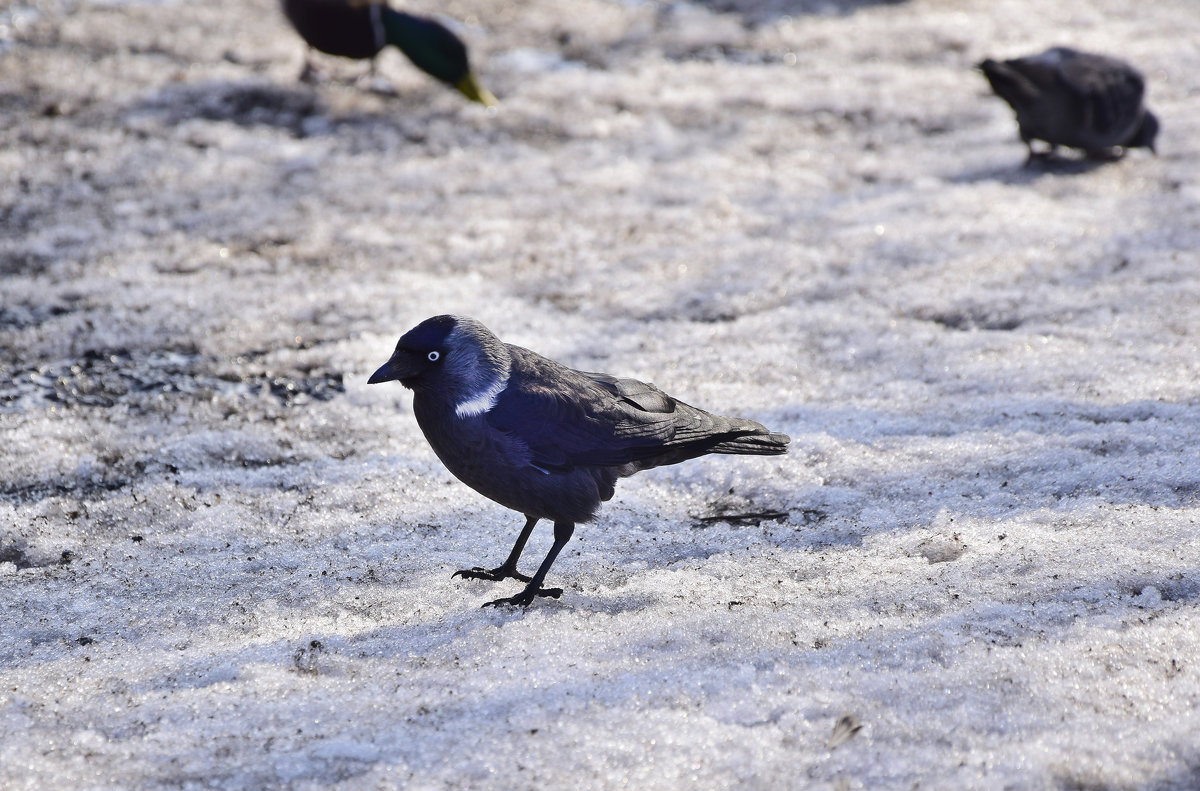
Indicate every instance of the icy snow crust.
{"type": "Point", "coordinates": [225, 560]}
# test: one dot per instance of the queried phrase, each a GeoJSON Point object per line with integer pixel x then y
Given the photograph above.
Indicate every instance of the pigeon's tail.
{"type": "Point", "coordinates": [758, 444]}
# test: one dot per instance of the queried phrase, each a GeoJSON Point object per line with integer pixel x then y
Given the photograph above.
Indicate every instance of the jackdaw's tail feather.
{"type": "Point", "coordinates": [766, 444]}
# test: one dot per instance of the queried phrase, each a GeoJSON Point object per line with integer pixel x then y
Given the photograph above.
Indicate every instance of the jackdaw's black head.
{"type": "Point", "coordinates": [1145, 133]}
{"type": "Point", "coordinates": [455, 357]}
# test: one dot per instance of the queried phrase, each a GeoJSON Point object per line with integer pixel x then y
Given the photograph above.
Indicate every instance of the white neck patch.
{"type": "Point", "coordinates": [482, 402]}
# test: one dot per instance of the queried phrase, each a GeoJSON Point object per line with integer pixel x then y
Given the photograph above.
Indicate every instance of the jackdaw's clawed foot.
{"type": "Point", "coordinates": [525, 597]}
{"type": "Point", "coordinates": [495, 575]}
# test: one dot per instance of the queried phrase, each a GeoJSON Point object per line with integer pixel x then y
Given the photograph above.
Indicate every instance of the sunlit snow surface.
{"type": "Point", "coordinates": [225, 561]}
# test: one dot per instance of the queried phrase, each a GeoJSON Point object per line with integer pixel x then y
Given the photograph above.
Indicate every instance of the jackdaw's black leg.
{"type": "Point", "coordinates": [562, 534]}
{"type": "Point", "coordinates": [509, 568]}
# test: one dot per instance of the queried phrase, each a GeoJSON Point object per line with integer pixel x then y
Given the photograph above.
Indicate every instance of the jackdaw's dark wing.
{"type": "Point", "coordinates": [570, 419]}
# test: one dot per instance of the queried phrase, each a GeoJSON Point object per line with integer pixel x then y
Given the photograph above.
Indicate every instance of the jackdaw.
{"type": "Point", "coordinates": [361, 28]}
{"type": "Point", "coordinates": [544, 439]}
{"type": "Point", "coordinates": [1076, 99]}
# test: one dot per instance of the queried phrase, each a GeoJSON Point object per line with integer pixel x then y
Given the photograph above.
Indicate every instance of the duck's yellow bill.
{"type": "Point", "coordinates": [469, 87]}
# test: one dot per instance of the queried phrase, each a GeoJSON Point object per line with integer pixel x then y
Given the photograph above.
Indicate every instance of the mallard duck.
{"type": "Point", "coordinates": [1076, 99]}
{"type": "Point", "coordinates": [361, 28]}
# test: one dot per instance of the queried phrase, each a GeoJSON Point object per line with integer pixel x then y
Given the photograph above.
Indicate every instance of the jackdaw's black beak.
{"type": "Point", "coordinates": [399, 367]}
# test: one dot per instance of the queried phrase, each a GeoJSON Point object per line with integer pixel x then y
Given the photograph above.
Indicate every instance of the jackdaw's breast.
{"type": "Point", "coordinates": [497, 465]}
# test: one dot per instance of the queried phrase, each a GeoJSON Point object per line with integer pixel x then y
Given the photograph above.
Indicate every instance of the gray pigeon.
{"type": "Point", "coordinates": [543, 439]}
{"type": "Point", "coordinates": [1075, 99]}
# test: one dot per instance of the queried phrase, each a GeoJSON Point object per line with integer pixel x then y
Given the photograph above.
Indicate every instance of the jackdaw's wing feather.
{"type": "Point", "coordinates": [569, 418]}
{"type": "Point", "coordinates": [576, 423]}
{"type": "Point", "coordinates": [647, 411]}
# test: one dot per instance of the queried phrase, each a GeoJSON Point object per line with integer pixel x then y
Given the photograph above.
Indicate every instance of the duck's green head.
{"type": "Point", "coordinates": [435, 50]}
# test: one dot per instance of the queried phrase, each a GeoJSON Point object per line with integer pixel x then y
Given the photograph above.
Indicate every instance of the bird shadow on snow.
{"type": "Point", "coordinates": [1022, 172]}
{"type": "Point", "coordinates": [249, 103]}
{"type": "Point", "coordinates": [299, 110]}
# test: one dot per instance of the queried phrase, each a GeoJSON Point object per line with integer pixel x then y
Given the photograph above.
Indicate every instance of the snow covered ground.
{"type": "Point", "coordinates": [225, 560]}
